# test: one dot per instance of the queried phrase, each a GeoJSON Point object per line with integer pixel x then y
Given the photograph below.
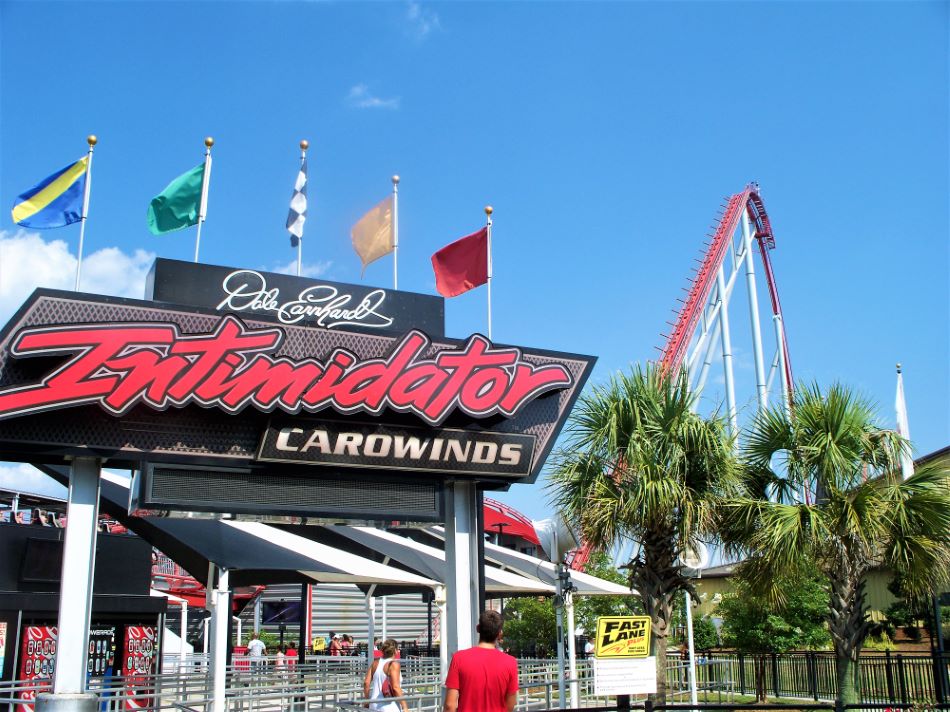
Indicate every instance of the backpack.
{"type": "Point", "coordinates": [386, 688]}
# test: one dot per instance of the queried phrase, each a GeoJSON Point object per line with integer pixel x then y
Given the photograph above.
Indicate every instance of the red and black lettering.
{"type": "Point", "coordinates": [118, 366]}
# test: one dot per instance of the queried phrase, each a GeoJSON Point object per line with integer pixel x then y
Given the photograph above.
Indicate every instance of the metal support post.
{"type": "Point", "coordinates": [559, 613]}
{"type": "Point", "coordinates": [182, 660]}
{"type": "Point", "coordinates": [754, 315]}
{"type": "Point", "coordinates": [780, 345]}
{"type": "Point", "coordinates": [370, 626]}
{"type": "Point", "coordinates": [442, 606]}
{"type": "Point", "coordinates": [219, 649]}
{"type": "Point", "coordinates": [693, 694]}
{"type": "Point", "coordinates": [727, 356]}
{"type": "Point", "coordinates": [572, 649]}
{"type": "Point", "coordinates": [257, 614]}
{"type": "Point", "coordinates": [75, 597]}
{"type": "Point", "coordinates": [461, 560]}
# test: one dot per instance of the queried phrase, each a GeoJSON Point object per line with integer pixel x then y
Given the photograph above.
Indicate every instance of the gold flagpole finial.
{"type": "Point", "coordinates": [92, 140]}
{"type": "Point", "coordinates": [304, 145]}
{"type": "Point", "coordinates": [489, 210]}
{"type": "Point", "coordinates": [209, 142]}
{"type": "Point", "coordinates": [395, 180]}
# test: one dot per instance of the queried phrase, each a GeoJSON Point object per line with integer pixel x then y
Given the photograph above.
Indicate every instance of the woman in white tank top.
{"type": "Point", "coordinates": [381, 670]}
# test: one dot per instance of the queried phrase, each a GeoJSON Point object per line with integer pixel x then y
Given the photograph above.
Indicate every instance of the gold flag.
{"type": "Point", "coordinates": [373, 235]}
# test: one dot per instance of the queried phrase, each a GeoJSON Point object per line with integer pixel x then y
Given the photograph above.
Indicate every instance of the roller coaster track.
{"type": "Point", "coordinates": [702, 319]}
{"type": "Point", "coordinates": [703, 283]}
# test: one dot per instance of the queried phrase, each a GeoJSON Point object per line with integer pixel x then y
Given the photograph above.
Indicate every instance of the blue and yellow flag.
{"type": "Point", "coordinates": [55, 201]}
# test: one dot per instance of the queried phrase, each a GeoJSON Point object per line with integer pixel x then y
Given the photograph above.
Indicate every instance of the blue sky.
{"type": "Point", "coordinates": [604, 134]}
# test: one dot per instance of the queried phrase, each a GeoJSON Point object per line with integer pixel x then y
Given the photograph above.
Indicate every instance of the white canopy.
{"type": "Point", "coordinates": [431, 561]}
{"type": "Point", "coordinates": [349, 568]}
{"type": "Point", "coordinates": [545, 571]}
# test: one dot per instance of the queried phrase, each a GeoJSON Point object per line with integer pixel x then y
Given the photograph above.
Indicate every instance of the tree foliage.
{"type": "Point", "coordinates": [752, 623]}
{"type": "Point", "coordinates": [587, 609]}
{"type": "Point", "coordinates": [641, 464]}
{"type": "Point", "coordinates": [530, 627]}
{"type": "Point", "coordinates": [821, 490]}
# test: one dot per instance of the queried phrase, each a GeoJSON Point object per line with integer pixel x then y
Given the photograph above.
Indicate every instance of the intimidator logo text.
{"type": "Point", "coordinates": [120, 365]}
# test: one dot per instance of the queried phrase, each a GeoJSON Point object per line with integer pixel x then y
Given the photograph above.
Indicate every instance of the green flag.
{"type": "Point", "coordinates": [179, 204]}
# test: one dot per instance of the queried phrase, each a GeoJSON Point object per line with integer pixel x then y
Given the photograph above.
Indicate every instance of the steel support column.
{"type": "Point", "coordinates": [727, 354]}
{"type": "Point", "coordinates": [219, 645]}
{"type": "Point", "coordinates": [461, 562]}
{"type": "Point", "coordinates": [572, 649]}
{"type": "Point", "coordinates": [75, 595]}
{"type": "Point", "coordinates": [760, 384]}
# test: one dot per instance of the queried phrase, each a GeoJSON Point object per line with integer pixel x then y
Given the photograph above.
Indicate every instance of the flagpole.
{"type": "Point", "coordinates": [395, 232]}
{"type": "Point", "coordinates": [203, 205]}
{"type": "Point", "coordinates": [92, 141]}
{"type": "Point", "coordinates": [903, 426]}
{"type": "Point", "coordinates": [304, 145]}
{"type": "Point", "coordinates": [488, 211]}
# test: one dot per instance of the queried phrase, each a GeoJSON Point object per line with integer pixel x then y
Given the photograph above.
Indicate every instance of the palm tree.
{"type": "Point", "coordinates": [640, 464]}
{"type": "Point", "coordinates": [821, 487]}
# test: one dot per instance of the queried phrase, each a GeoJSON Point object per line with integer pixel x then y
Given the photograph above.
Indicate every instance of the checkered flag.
{"type": "Point", "coordinates": [298, 206]}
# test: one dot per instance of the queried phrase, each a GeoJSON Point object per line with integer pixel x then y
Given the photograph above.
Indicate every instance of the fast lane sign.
{"type": "Point", "coordinates": [622, 637]}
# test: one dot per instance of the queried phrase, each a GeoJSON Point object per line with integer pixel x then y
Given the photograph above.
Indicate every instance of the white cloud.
{"type": "Point", "coordinates": [24, 478]}
{"type": "Point", "coordinates": [422, 21]}
{"type": "Point", "coordinates": [312, 270]}
{"type": "Point", "coordinates": [360, 97]}
{"type": "Point", "coordinates": [28, 261]}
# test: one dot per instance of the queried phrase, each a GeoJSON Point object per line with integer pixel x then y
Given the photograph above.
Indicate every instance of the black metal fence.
{"type": "Point", "coordinates": [624, 705]}
{"type": "Point", "coordinates": [884, 677]}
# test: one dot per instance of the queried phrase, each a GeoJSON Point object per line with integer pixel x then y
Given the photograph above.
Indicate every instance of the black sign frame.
{"type": "Point", "coordinates": [291, 300]}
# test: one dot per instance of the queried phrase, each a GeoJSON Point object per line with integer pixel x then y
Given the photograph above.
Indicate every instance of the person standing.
{"type": "Point", "coordinates": [256, 650]}
{"type": "Point", "coordinates": [384, 680]}
{"type": "Point", "coordinates": [483, 678]}
{"type": "Point", "coordinates": [336, 649]}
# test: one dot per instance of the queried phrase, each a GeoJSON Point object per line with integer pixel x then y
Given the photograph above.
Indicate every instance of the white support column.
{"type": "Point", "coordinates": [442, 607]}
{"type": "Point", "coordinates": [182, 660]}
{"type": "Point", "coordinates": [727, 354]}
{"type": "Point", "coordinates": [572, 650]}
{"type": "Point", "coordinates": [693, 694]}
{"type": "Point", "coordinates": [75, 595]}
{"type": "Point", "coordinates": [461, 563]}
{"type": "Point", "coordinates": [780, 345]}
{"type": "Point", "coordinates": [760, 383]}
{"type": "Point", "coordinates": [370, 626]}
{"type": "Point", "coordinates": [385, 619]}
{"type": "Point", "coordinates": [219, 647]}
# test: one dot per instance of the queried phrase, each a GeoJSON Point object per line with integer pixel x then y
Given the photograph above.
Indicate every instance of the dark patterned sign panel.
{"type": "Point", "coordinates": [294, 300]}
{"type": "Point", "coordinates": [132, 380]}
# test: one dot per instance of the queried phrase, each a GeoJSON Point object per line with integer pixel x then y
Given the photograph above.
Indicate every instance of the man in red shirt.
{"type": "Point", "coordinates": [482, 679]}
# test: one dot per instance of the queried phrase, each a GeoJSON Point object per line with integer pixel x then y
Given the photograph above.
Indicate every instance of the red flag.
{"type": "Point", "coordinates": [462, 265]}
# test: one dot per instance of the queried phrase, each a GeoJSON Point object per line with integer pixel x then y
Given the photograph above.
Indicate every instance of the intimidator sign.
{"type": "Point", "coordinates": [135, 380]}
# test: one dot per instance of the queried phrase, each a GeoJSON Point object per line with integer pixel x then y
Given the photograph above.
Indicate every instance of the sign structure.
{"type": "Point", "coordinates": [624, 676]}
{"type": "Point", "coordinates": [138, 664]}
{"type": "Point", "coordinates": [294, 300]}
{"type": "Point", "coordinates": [439, 450]}
{"type": "Point", "coordinates": [622, 661]}
{"type": "Point", "coordinates": [622, 637]}
{"type": "Point", "coordinates": [149, 381]}
{"type": "Point", "coordinates": [37, 661]}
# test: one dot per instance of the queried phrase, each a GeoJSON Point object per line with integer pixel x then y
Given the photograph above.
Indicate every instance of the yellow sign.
{"type": "Point", "coordinates": [622, 637]}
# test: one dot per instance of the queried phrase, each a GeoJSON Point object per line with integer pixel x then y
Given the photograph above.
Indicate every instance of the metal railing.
{"type": "Point", "coordinates": [324, 683]}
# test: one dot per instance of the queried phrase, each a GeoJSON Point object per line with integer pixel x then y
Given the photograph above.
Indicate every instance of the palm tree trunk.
{"type": "Point", "coordinates": [849, 625]}
{"type": "Point", "coordinates": [654, 575]}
